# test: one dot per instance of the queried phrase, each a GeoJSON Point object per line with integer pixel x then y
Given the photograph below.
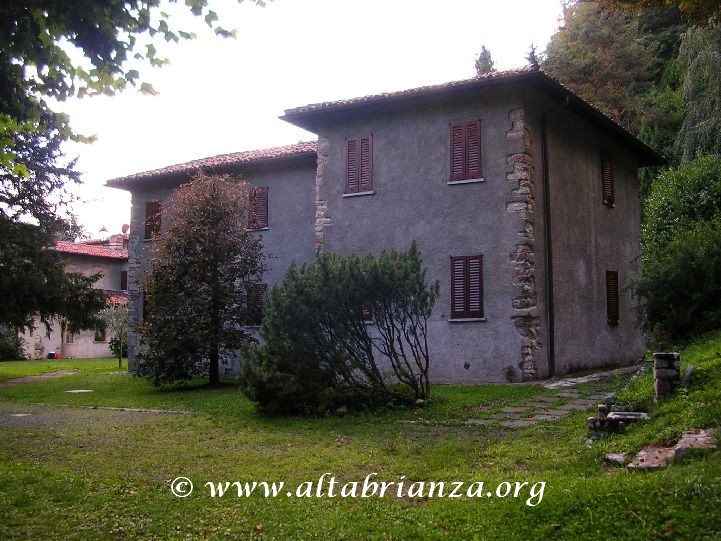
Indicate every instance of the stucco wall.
{"type": "Point", "coordinates": [413, 200]}
{"type": "Point", "coordinates": [590, 238]}
{"type": "Point", "coordinates": [289, 235]}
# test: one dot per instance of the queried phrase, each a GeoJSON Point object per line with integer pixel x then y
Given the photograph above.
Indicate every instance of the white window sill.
{"type": "Point", "coordinates": [468, 181]}
{"type": "Point", "coordinates": [466, 319]}
{"type": "Point", "coordinates": [356, 194]}
{"type": "Point", "coordinates": [148, 240]}
{"type": "Point", "coordinates": [258, 229]}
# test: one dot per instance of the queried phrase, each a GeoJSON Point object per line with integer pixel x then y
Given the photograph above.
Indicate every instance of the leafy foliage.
{"type": "Point", "coordinates": [681, 197]}
{"type": "Point", "coordinates": [34, 282]}
{"type": "Point", "coordinates": [484, 62]}
{"type": "Point", "coordinates": [53, 50]}
{"type": "Point", "coordinates": [700, 60]}
{"type": "Point", "coordinates": [319, 350]}
{"type": "Point", "coordinates": [197, 290]}
{"type": "Point", "coordinates": [680, 291]}
{"type": "Point", "coordinates": [599, 55]}
{"type": "Point", "coordinates": [115, 320]}
{"type": "Point", "coordinates": [11, 344]}
{"type": "Point", "coordinates": [698, 12]}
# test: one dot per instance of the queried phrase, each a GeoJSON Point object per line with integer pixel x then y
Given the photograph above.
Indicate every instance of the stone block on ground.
{"type": "Point", "coordinates": [616, 459]}
{"type": "Point", "coordinates": [518, 423]}
{"type": "Point", "coordinates": [695, 440]}
{"type": "Point", "coordinates": [651, 458]}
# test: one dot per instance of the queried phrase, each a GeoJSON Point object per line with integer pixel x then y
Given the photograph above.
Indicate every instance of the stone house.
{"type": "Point", "coordinates": [109, 257]}
{"type": "Point", "coordinates": [523, 199]}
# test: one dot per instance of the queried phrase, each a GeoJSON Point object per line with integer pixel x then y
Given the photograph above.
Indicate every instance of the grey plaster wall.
{"type": "Point", "coordinates": [289, 235]}
{"type": "Point", "coordinates": [412, 200]}
{"type": "Point", "coordinates": [590, 238]}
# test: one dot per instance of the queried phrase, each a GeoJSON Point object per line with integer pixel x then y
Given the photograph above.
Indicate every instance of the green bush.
{"type": "Point", "coordinates": [680, 292]}
{"type": "Point", "coordinates": [319, 350]}
{"type": "Point", "coordinates": [114, 345]}
{"type": "Point", "coordinates": [11, 345]}
{"type": "Point", "coordinates": [679, 198]}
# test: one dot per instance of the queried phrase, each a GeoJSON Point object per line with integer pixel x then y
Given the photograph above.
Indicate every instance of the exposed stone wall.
{"type": "Point", "coordinates": [522, 203]}
{"type": "Point", "coordinates": [321, 205]}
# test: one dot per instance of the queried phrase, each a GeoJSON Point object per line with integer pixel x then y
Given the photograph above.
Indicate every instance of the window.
{"type": "Point", "coordinates": [359, 165]}
{"type": "Point", "coordinates": [152, 219]}
{"type": "Point", "coordinates": [68, 337]}
{"type": "Point", "coordinates": [466, 150]}
{"type": "Point", "coordinates": [607, 183]}
{"type": "Point", "coordinates": [466, 287]}
{"type": "Point", "coordinates": [99, 334]}
{"type": "Point", "coordinates": [612, 297]}
{"type": "Point", "coordinates": [123, 280]}
{"type": "Point", "coordinates": [256, 299]}
{"type": "Point", "coordinates": [258, 207]}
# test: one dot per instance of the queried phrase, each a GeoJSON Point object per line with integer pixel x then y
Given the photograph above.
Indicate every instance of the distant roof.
{"type": "Point", "coordinates": [249, 157]}
{"type": "Point", "coordinates": [90, 250]}
{"type": "Point", "coordinates": [116, 297]}
{"type": "Point", "coordinates": [308, 116]}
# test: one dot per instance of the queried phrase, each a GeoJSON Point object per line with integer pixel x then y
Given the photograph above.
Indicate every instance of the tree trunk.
{"type": "Point", "coordinates": [213, 357]}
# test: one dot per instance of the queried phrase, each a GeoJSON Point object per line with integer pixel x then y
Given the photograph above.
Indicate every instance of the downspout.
{"type": "Point", "coordinates": [549, 238]}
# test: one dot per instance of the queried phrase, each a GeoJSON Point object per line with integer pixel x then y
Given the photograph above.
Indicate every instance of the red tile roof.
{"type": "Point", "coordinates": [429, 89]}
{"type": "Point", "coordinates": [307, 117]}
{"type": "Point", "coordinates": [90, 250]}
{"type": "Point", "coordinates": [220, 161]}
{"type": "Point", "coordinates": [116, 297]}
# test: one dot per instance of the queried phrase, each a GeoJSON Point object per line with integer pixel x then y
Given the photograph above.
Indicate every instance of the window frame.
{"type": "Point", "coordinates": [466, 313]}
{"type": "Point", "coordinates": [369, 188]}
{"type": "Point", "coordinates": [153, 221]}
{"type": "Point", "coordinates": [253, 223]}
{"type": "Point", "coordinates": [123, 280]}
{"type": "Point", "coordinates": [467, 175]}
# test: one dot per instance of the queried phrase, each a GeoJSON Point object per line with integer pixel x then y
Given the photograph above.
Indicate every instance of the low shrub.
{"type": "Point", "coordinates": [343, 330]}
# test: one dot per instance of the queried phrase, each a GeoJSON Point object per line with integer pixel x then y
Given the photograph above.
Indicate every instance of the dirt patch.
{"type": "Point", "coordinates": [39, 377]}
{"type": "Point", "coordinates": [44, 416]}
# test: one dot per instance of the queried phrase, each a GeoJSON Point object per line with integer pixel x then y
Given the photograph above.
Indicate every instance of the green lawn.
{"type": "Point", "coordinates": [92, 473]}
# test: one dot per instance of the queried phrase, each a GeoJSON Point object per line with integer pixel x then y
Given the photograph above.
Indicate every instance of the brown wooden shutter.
{"type": "Point", "coordinates": [612, 308]}
{"type": "Point", "coordinates": [458, 151]}
{"type": "Point", "coordinates": [258, 207]}
{"type": "Point", "coordinates": [256, 300]}
{"type": "Point", "coordinates": [473, 149]}
{"type": "Point", "coordinates": [261, 206]}
{"type": "Point", "coordinates": [475, 286]}
{"type": "Point", "coordinates": [352, 181]}
{"type": "Point", "coordinates": [152, 219]}
{"type": "Point", "coordinates": [366, 164]}
{"type": "Point", "coordinates": [123, 280]}
{"type": "Point", "coordinates": [609, 195]}
{"type": "Point", "coordinates": [466, 286]}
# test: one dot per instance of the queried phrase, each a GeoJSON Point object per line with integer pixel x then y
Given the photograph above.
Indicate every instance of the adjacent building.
{"type": "Point", "coordinates": [522, 197]}
{"type": "Point", "coordinates": [108, 257]}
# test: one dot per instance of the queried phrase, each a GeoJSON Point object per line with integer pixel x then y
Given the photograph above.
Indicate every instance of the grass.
{"type": "Point", "coordinates": [82, 473]}
{"type": "Point", "coordinates": [18, 369]}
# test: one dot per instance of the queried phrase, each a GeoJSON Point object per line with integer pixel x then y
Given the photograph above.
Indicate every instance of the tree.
{"type": "Point", "coordinates": [204, 268]}
{"type": "Point", "coordinates": [115, 320]}
{"type": "Point", "coordinates": [700, 60]}
{"type": "Point", "coordinates": [56, 49]}
{"type": "Point", "coordinates": [320, 350]}
{"type": "Point", "coordinates": [532, 57]}
{"type": "Point", "coordinates": [484, 63]}
{"type": "Point", "coordinates": [697, 12]}
{"type": "Point", "coordinates": [599, 56]}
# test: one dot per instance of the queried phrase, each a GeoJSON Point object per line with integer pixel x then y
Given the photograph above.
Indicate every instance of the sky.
{"type": "Point", "coordinates": [225, 95]}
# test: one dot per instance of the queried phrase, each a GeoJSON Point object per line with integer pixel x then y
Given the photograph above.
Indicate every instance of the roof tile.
{"type": "Point", "coordinates": [91, 250]}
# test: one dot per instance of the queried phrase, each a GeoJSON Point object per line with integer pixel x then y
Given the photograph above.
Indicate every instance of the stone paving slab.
{"type": "Point", "coordinates": [517, 423]}
{"type": "Point", "coordinates": [570, 382]}
{"type": "Point", "coordinates": [549, 399]}
{"type": "Point", "coordinates": [509, 409]}
{"type": "Point", "coordinates": [578, 405]}
{"type": "Point", "coordinates": [480, 422]}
